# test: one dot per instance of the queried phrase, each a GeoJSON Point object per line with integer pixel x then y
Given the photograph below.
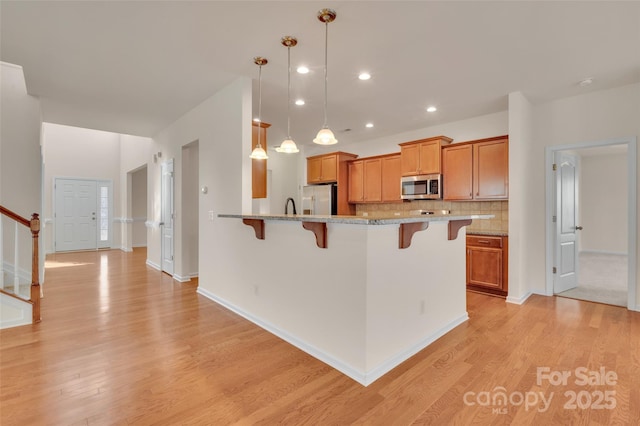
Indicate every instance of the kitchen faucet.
{"type": "Point", "coordinates": [286, 206]}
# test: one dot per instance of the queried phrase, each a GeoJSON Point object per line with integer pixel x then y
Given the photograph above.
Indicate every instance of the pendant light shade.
{"type": "Point", "coordinates": [288, 146]}
{"type": "Point", "coordinates": [325, 135]}
{"type": "Point", "coordinates": [258, 152]}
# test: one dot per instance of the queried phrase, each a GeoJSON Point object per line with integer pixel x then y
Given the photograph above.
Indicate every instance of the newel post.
{"type": "Point", "coordinates": [35, 267]}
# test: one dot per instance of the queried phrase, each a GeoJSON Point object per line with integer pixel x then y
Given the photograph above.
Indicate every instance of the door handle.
{"type": "Point", "coordinates": [578, 228]}
{"type": "Point", "coordinates": [161, 224]}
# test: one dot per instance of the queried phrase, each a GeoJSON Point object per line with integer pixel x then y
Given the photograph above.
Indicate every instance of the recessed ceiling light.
{"type": "Point", "coordinates": [586, 82]}
{"type": "Point", "coordinates": [364, 76]}
{"type": "Point", "coordinates": [299, 102]}
{"type": "Point", "coordinates": [432, 109]}
{"type": "Point", "coordinates": [302, 69]}
{"type": "Point", "coordinates": [369, 125]}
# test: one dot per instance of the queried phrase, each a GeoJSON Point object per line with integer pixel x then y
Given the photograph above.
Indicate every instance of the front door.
{"type": "Point", "coordinates": [75, 214]}
{"type": "Point", "coordinates": [168, 216]}
{"type": "Point", "coordinates": [566, 222]}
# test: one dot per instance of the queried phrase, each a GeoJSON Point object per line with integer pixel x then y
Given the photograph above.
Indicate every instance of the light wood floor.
{"type": "Point", "coordinates": [121, 343]}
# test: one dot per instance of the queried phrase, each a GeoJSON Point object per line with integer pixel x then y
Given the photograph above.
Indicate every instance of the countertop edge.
{"type": "Point", "coordinates": [489, 233]}
{"type": "Point", "coordinates": [359, 220]}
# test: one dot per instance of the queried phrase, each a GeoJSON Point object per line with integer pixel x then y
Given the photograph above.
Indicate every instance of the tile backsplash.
{"type": "Point", "coordinates": [500, 209]}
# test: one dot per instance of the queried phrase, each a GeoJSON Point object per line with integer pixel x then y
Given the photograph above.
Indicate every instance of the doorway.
{"type": "Point", "coordinates": [167, 219]}
{"type": "Point", "coordinates": [83, 212]}
{"type": "Point", "coordinates": [189, 221]}
{"type": "Point", "coordinates": [591, 221]}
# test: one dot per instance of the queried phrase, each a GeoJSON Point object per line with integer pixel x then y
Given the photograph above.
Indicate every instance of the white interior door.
{"type": "Point", "coordinates": [168, 216]}
{"type": "Point", "coordinates": [75, 215]}
{"type": "Point", "coordinates": [566, 222]}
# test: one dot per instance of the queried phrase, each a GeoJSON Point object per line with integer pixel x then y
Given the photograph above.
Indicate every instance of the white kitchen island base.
{"type": "Point", "coordinates": [361, 305]}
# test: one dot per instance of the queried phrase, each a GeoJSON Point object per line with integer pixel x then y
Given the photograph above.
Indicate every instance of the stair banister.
{"type": "Point", "coordinates": [34, 227]}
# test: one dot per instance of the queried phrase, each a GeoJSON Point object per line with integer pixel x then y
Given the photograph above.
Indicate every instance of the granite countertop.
{"type": "Point", "coordinates": [360, 220]}
{"type": "Point", "coordinates": [489, 233]}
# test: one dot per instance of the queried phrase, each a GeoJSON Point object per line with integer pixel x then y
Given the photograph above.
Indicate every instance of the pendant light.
{"type": "Point", "coordinates": [325, 135]}
{"type": "Point", "coordinates": [258, 152]}
{"type": "Point", "coordinates": [288, 145]}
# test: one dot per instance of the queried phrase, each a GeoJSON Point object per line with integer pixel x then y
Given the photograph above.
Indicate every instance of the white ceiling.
{"type": "Point", "coordinates": [134, 67]}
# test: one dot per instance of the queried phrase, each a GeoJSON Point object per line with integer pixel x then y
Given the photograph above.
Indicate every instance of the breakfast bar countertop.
{"type": "Point", "coordinates": [360, 220]}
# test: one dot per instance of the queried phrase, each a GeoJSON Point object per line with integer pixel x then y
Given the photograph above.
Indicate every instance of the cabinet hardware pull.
{"type": "Point", "coordinates": [483, 241]}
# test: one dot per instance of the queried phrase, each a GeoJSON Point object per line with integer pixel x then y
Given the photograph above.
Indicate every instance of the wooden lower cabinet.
{"type": "Point", "coordinates": [487, 264]}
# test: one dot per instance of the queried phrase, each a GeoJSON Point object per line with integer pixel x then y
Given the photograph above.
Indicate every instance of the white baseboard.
{"type": "Point", "coordinates": [153, 265]}
{"type": "Point", "coordinates": [139, 245]}
{"type": "Point", "coordinates": [519, 300]}
{"type": "Point", "coordinates": [382, 369]}
{"type": "Point", "coordinates": [126, 249]}
{"type": "Point", "coordinates": [184, 278]}
{"type": "Point", "coordinates": [364, 378]}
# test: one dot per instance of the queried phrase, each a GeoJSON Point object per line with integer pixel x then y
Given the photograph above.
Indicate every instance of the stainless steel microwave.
{"type": "Point", "coordinates": [421, 187]}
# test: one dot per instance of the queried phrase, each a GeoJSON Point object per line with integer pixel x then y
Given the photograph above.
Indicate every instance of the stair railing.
{"type": "Point", "coordinates": [34, 227]}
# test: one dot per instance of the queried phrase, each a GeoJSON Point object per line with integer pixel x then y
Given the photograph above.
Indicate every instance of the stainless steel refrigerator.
{"type": "Point", "coordinates": [320, 199]}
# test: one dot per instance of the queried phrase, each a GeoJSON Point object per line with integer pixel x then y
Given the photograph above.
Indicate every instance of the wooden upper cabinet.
{"type": "Point", "coordinates": [375, 179]}
{"type": "Point", "coordinates": [391, 174]}
{"type": "Point", "coordinates": [409, 160]}
{"type": "Point", "coordinates": [457, 172]}
{"type": "Point", "coordinates": [356, 181]}
{"type": "Point", "coordinates": [329, 168]}
{"type": "Point", "coordinates": [259, 167]}
{"type": "Point", "coordinates": [477, 170]}
{"type": "Point", "coordinates": [491, 170]}
{"type": "Point", "coordinates": [372, 180]}
{"type": "Point", "coordinates": [323, 168]}
{"type": "Point", "coordinates": [314, 170]}
{"type": "Point", "coordinates": [365, 180]}
{"type": "Point", "coordinates": [422, 157]}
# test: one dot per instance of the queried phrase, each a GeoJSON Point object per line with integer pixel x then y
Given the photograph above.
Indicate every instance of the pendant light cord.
{"type": "Point", "coordinates": [259, 103]}
{"type": "Point", "coordinates": [289, 92]}
{"type": "Point", "coordinates": [326, 43]}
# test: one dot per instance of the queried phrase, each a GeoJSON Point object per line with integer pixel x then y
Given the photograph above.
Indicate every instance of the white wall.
{"type": "Point", "coordinates": [73, 152]}
{"type": "Point", "coordinates": [460, 131]}
{"type": "Point", "coordinates": [135, 154]}
{"type": "Point", "coordinates": [603, 203]}
{"type": "Point", "coordinates": [595, 116]}
{"type": "Point", "coordinates": [520, 166]}
{"type": "Point", "coordinates": [222, 127]}
{"type": "Point", "coordinates": [20, 161]}
{"type": "Point", "coordinates": [190, 202]}
{"type": "Point", "coordinates": [139, 208]}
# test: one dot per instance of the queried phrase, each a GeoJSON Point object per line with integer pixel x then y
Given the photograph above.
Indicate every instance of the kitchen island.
{"type": "Point", "coordinates": [361, 294]}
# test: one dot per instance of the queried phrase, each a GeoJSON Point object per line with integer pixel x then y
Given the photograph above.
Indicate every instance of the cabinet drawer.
{"type": "Point", "coordinates": [484, 241]}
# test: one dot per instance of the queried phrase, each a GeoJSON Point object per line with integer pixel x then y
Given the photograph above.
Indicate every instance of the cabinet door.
{"type": "Point", "coordinates": [356, 182]}
{"type": "Point", "coordinates": [484, 267]}
{"type": "Point", "coordinates": [429, 162]}
{"type": "Point", "coordinates": [258, 167]}
{"type": "Point", "coordinates": [372, 180]}
{"type": "Point", "coordinates": [457, 175]}
{"type": "Point", "coordinates": [409, 159]}
{"type": "Point", "coordinates": [391, 175]}
{"type": "Point", "coordinates": [329, 168]}
{"type": "Point", "coordinates": [491, 170]}
{"type": "Point", "coordinates": [314, 169]}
